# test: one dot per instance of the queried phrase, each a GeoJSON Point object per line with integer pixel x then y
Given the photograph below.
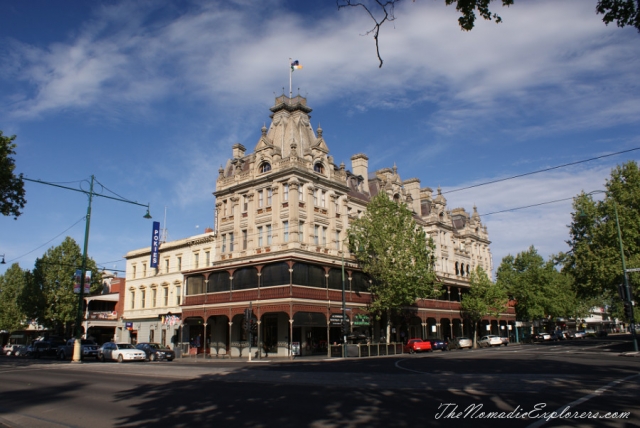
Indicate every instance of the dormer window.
{"type": "Point", "coordinates": [265, 167]}
{"type": "Point", "coordinates": [319, 168]}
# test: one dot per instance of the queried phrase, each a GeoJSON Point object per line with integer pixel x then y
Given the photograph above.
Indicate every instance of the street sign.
{"type": "Point", "coordinates": [335, 320]}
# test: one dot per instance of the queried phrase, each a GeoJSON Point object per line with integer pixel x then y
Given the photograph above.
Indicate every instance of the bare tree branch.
{"type": "Point", "coordinates": [387, 9]}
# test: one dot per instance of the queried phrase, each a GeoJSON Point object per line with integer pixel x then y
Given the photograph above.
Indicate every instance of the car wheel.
{"type": "Point", "coordinates": [169, 359]}
{"type": "Point", "coordinates": [120, 358]}
{"type": "Point", "coordinates": [100, 358]}
{"type": "Point", "coordinates": [152, 357]}
{"type": "Point", "coordinates": [411, 351]}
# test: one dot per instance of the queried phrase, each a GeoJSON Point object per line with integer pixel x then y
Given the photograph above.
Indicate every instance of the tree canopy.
{"type": "Point", "coordinates": [56, 305]}
{"type": "Point", "coordinates": [622, 12]}
{"type": "Point", "coordinates": [594, 259]}
{"type": "Point", "coordinates": [539, 289]}
{"type": "Point", "coordinates": [484, 298]}
{"type": "Point", "coordinates": [395, 252]}
{"type": "Point", "coordinates": [12, 284]}
{"type": "Point", "coordinates": [12, 193]}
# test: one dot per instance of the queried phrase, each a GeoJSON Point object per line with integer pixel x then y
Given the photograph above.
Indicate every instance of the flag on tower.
{"type": "Point", "coordinates": [295, 65]}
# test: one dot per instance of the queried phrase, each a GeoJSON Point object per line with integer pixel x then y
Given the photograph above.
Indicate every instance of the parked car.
{"type": "Point", "coordinates": [89, 349]}
{"type": "Point", "coordinates": [156, 351]}
{"type": "Point", "coordinates": [120, 352]}
{"type": "Point", "coordinates": [417, 345]}
{"type": "Point", "coordinates": [44, 348]}
{"type": "Point", "coordinates": [489, 341]}
{"type": "Point", "coordinates": [11, 348]}
{"type": "Point", "coordinates": [505, 340]}
{"type": "Point", "coordinates": [460, 343]}
{"type": "Point", "coordinates": [577, 335]}
{"type": "Point", "coordinates": [439, 344]}
{"type": "Point", "coordinates": [540, 337]}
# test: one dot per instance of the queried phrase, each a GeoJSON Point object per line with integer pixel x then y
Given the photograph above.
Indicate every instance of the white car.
{"type": "Point", "coordinates": [120, 352]}
{"type": "Point", "coordinates": [11, 349]}
{"type": "Point", "coordinates": [489, 341]}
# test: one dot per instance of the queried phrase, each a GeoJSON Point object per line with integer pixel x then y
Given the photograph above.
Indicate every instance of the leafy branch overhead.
{"type": "Point", "coordinates": [622, 12]}
{"type": "Point", "coordinates": [12, 193]}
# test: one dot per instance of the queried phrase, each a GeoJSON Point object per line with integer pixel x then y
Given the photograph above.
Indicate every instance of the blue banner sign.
{"type": "Point", "coordinates": [155, 245]}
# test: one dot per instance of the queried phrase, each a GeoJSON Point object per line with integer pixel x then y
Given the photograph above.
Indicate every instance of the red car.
{"type": "Point", "coordinates": [417, 345]}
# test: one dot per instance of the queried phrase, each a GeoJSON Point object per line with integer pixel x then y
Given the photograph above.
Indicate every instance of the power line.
{"type": "Point", "coordinates": [539, 171]}
{"type": "Point", "coordinates": [528, 206]}
{"type": "Point", "coordinates": [61, 233]}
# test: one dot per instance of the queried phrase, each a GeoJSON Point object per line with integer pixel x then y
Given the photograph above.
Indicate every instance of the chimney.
{"type": "Point", "coordinates": [238, 151]}
{"type": "Point", "coordinates": [360, 166]}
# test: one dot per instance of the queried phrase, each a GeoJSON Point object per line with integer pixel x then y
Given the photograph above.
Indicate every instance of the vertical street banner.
{"type": "Point", "coordinates": [155, 244]}
{"type": "Point", "coordinates": [76, 281]}
{"type": "Point", "coordinates": [87, 282]}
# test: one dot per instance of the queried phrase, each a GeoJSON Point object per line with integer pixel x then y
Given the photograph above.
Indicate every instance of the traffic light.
{"type": "Point", "coordinates": [345, 327]}
{"type": "Point", "coordinates": [628, 310]}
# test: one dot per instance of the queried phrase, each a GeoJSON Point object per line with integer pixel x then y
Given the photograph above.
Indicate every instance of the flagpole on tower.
{"type": "Point", "coordinates": [290, 74]}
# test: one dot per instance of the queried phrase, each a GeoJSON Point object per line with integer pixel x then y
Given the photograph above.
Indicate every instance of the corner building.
{"type": "Point", "coordinates": [282, 215]}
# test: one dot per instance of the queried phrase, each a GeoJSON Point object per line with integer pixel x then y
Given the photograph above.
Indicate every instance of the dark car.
{"type": "Point", "coordinates": [44, 348]}
{"type": "Point", "coordinates": [439, 344]}
{"type": "Point", "coordinates": [156, 351]}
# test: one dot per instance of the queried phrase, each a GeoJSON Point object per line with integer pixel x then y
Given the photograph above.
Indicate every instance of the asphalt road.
{"type": "Point", "coordinates": [511, 386]}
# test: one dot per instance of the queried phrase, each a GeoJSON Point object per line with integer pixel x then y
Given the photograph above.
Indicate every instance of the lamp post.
{"type": "Point", "coordinates": [344, 311]}
{"type": "Point", "coordinates": [78, 334]}
{"type": "Point", "coordinates": [627, 290]}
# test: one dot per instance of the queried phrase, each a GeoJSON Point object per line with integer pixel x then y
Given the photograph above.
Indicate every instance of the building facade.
{"type": "Point", "coordinates": [152, 297]}
{"type": "Point", "coordinates": [282, 215]}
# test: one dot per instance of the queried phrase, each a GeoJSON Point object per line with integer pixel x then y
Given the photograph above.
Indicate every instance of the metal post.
{"type": "Point", "coordinates": [344, 311]}
{"type": "Point", "coordinates": [77, 347]}
{"type": "Point", "coordinates": [627, 289]}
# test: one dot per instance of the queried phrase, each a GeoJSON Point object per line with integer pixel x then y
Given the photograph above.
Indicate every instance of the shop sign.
{"type": "Point", "coordinates": [361, 320]}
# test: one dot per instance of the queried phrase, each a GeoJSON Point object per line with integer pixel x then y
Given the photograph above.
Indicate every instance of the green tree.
{"type": "Point", "coordinates": [594, 259]}
{"type": "Point", "coordinates": [484, 298]}
{"type": "Point", "coordinates": [12, 193]}
{"type": "Point", "coordinates": [622, 12]}
{"type": "Point", "coordinates": [395, 252]}
{"type": "Point", "coordinates": [540, 290]}
{"type": "Point", "coordinates": [54, 277]}
{"type": "Point", "coordinates": [12, 282]}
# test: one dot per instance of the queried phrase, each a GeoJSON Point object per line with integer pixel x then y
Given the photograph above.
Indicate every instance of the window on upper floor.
{"type": "Point", "coordinates": [269, 196]}
{"type": "Point", "coordinates": [154, 295]}
{"type": "Point", "coordinates": [224, 243]}
{"type": "Point", "coordinates": [165, 297]}
{"type": "Point", "coordinates": [166, 265]}
{"type": "Point", "coordinates": [144, 270]}
{"type": "Point", "coordinates": [316, 232]}
{"type": "Point", "coordinates": [196, 260]}
{"type": "Point", "coordinates": [245, 203]}
{"type": "Point", "coordinates": [265, 167]}
{"type": "Point", "coordinates": [133, 271]}
{"type": "Point", "coordinates": [260, 199]}
{"type": "Point", "coordinates": [179, 264]}
{"type": "Point", "coordinates": [143, 298]}
{"type": "Point", "coordinates": [207, 258]}
{"type": "Point", "coordinates": [231, 241]}
{"type": "Point", "coordinates": [244, 239]}
{"type": "Point", "coordinates": [260, 236]}
{"type": "Point", "coordinates": [285, 227]}
{"type": "Point", "coordinates": [285, 191]}
{"type": "Point", "coordinates": [268, 234]}
{"type": "Point", "coordinates": [178, 295]}
{"type": "Point", "coordinates": [133, 299]}
{"type": "Point", "coordinates": [318, 167]}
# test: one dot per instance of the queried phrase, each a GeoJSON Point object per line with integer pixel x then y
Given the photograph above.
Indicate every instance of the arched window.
{"type": "Point", "coordinates": [309, 275]}
{"type": "Point", "coordinates": [318, 167]}
{"type": "Point", "coordinates": [457, 269]}
{"type": "Point", "coordinates": [275, 274]}
{"type": "Point", "coordinates": [219, 281]}
{"type": "Point", "coordinates": [359, 282]}
{"type": "Point", "coordinates": [265, 167]}
{"type": "Point", "coordinates": [335, 279]}
{"type": "Point", "coordinates": [195, 285]}
{"type": "Point", "coordinates": [245, 278]}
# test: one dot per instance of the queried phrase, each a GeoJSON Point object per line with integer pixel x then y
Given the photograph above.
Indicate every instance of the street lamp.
{"type": "Point", "coordinates": [2, 262]}
{"type": "Point", "coordinates": [344, 310]}
{"type": "Point", "coordinates": [77, 346]}
{"type": "Point", "coordinates": [627, 289]}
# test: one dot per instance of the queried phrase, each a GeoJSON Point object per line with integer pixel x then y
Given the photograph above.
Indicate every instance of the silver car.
{"type": "Point", "coordinates": [460, 343]}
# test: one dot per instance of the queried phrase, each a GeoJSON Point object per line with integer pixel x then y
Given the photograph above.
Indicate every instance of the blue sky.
{"type": "Point", "coordinates": [150, 96]}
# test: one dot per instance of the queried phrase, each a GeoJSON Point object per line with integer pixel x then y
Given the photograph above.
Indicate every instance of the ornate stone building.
{"type": "Point", "coordinates": [282, 214]}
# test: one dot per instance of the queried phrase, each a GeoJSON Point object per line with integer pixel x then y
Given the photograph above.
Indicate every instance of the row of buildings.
{"type": "Point", "coordinates": [282, 213]}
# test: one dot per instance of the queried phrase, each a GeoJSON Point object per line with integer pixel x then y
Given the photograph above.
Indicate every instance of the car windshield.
{"type": "Point", "coordinates": [125, 346]}
{"type": "Point", "coordinates": [156, 346]}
